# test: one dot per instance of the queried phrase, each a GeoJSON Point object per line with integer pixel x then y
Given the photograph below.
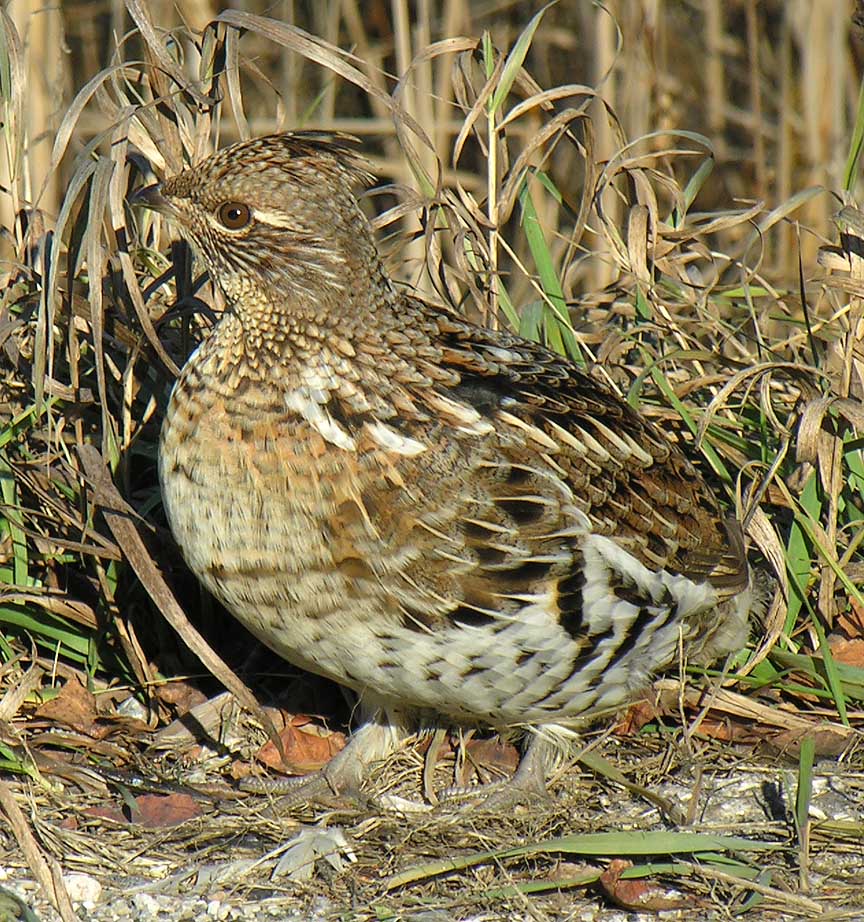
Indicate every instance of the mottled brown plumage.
{"type": "Point", "coordinates": [447, 519]}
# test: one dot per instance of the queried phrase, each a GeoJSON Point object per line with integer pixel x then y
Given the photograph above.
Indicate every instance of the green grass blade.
{"type": "Point", "coordinates": [850, 172]}
{"type": "Point", "coordinates": [708, 450]}
{"type": "Point", "coordinates": [14, 523]}
{"type": "Point", "coordinates": [515, 60]}
{"type": "Point", "coordinates": [556, 321]}
{"type": "Point", "coordinates": [622, 844]}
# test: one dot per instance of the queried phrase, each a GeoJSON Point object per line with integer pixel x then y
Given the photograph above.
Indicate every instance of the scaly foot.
{"type": "Point", "coordinates": [344, 774]}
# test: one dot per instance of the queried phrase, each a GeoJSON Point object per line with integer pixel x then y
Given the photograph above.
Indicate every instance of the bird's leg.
{"type": "Point", "coordinates": [439, 736]}
{"type": "Point", "coordinates": [343, 775]}
{"type": "Point", "coordinates": [529, 780]}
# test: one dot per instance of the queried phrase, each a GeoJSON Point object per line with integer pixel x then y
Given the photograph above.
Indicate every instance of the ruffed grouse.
{"type": "Point", "coordinates": [452, 521]}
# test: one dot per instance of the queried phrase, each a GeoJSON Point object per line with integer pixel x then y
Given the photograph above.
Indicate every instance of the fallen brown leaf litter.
{"type": "Point", "coordinates": [164, 805]}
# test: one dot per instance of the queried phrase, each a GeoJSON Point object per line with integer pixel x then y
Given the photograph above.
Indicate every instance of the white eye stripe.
{"type": "Point", "coordinates": [273, 218]}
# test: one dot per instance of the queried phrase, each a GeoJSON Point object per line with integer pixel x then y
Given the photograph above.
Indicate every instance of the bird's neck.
{"type": "Point", "coordinates": [318, 327]}
{"type": "Point", "coordinates": [298, 315]}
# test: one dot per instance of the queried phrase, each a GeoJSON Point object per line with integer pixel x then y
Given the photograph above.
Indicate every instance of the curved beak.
{"type": "Point", "coordinates": [151, 197]}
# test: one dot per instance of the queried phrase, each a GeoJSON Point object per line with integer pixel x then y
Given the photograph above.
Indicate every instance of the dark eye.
{"type": "Point", "coordinates": [233, 215]}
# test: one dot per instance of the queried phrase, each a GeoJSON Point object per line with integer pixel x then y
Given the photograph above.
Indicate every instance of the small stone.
{"type": "Point", "coordinates": [216, 909]}
{"type": "Point", "coordinates": [82, 888]}
{"type": "Point", "coordinates": [132, 707]}
{"type": "Point", "coordinates": [145, 903]}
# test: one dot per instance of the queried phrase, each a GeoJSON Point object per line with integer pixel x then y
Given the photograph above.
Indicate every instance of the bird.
{"type": "Point", "coordinates": [453, 521]}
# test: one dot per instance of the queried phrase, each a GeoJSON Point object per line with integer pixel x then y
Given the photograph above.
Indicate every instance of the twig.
{"type": "Point", "coordinates": [782, 896]}
{"type": "Point", "coordinates": [118, 515]}
{"type": "Point", "coordinates": [47, 874]}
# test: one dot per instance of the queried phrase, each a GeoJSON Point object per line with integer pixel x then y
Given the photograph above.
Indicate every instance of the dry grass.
{"type": "Point", "coordinates": [654, 192]}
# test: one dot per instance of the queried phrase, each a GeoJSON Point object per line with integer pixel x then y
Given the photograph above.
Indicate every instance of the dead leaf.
{"type": "Point", "coordinates": [726, 731]}
{"type": "Point", "coordinates": [308, 747]}
{"type": "Point", "coordinates": [110, 813]}
{"type": "Point", "coordinates": [152, 811]}
{"type": "Point", "coordinates": [75, 707]}
{"type": "Point", "coordinates": [181, 695]}
{"type": "Point", "coordinates": [828, 741]}
{"type": "Point", "coordinates": [492, 754]}
{"type": "Point", "coordinates": [851, 622]}
{"type": "Point", "coordinates": [637, 894]}
{"type": "Point", "coordinates": [485, 757]}
{"type": "Point", "coordinates": [156, 810]}
{"type": "Point", "coordinates": [443, 749]}
{"type": "Point", "coordinates": [850, 652]}
{"type": "Point", "coordinates": [241, 769]}
{"type": "Point", "coordinates": [638, 715]}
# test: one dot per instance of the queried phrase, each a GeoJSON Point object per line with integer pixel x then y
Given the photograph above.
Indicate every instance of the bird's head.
{"type": "Point", "coordinates": [273, 218]}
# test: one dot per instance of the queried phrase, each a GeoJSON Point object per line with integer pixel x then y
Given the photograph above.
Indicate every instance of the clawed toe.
{"type": "Point", "coordinates": [495, 797]}
{"type": "Point", "coordinates": [316, 788]}
{"type": "Point", "coordinates": [342, 778]}
{"type": "Point", "coordinates": [526, 785]}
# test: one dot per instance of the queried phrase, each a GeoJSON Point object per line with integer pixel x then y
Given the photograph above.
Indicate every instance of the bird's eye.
{"type": "Point", "coordinates": [234, 215]}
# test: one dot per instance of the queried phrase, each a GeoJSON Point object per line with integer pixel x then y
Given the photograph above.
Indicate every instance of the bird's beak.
{"type": "Point", "coordinates": [151, 197]}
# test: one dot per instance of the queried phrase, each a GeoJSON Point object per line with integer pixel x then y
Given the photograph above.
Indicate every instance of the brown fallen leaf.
{"type": "Point", "coordinates": [639, 714]}
{"type": "Point", "coordinates": [75, 706]}
{"type": "Point", "coordinates": [152, 810]}
{"type": "Point", "coordinates": [443, 748]}
{"type": "Point", "coordinates": [181, 695]}
{"type": "Point", "coordinates": [848, 651]}
{"type": "Point", "coordinates": [156, 810]}
{"type": "Point", "coordinates": [241, 769]}
{"type": "Point", "coordinates": [727, 731]}
{"type": "Point", "coordinates": [828, 741]}
{"type": "Point", "coordinates": [639, 894]}
{"type": "Point", "coordinates": [851, 622]}
{"type": "Point", "coordinates": [110, 813]}
{"type": "Point", "coordinates": [492, 755]}
{"type": "Point", "coordinates": [308, 747]}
